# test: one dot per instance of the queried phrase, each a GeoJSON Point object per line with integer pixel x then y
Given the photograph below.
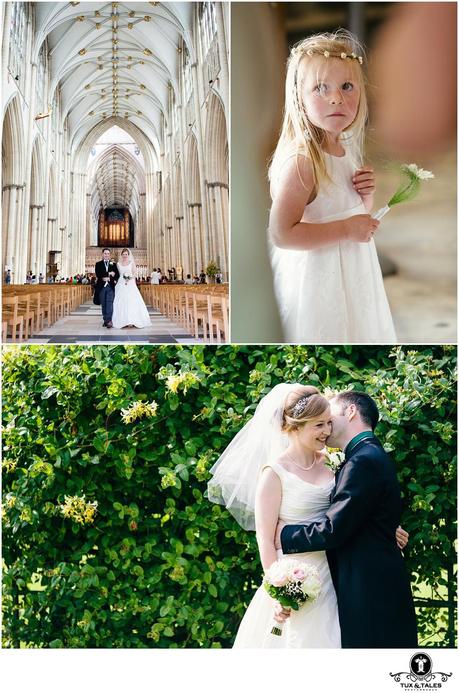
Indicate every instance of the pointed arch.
{"type": "Point", "coordinates": [192, 167]}
{"type": "Point", "coordinates": [13, 160]}
{"type": "Point", "coordinates": [216, 147]}
{"type": "Point", "coordinates": [13, 175]}
{"type": "Point", "coordinates": [216, 141]}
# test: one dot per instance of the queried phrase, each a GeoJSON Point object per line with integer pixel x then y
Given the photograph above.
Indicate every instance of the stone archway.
{"type": "Point", "coordinates": [13, 172]}
{"type": "Point", "coordinates": [37, 236]}
{"type": "Point", "coordinates": [216, 146]}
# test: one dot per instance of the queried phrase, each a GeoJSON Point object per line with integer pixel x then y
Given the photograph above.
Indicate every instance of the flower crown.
{"type": "Point", "coordinates": [328, 54]}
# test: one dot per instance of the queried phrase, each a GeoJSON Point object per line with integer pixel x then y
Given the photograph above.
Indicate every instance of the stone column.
{"type": "Point", "coordinates": [59, 258]}
{"type": "Point", "coordinates": [223, 52]}
{"type": "Point", "coordinates": [6, 201]}
{"type": "Point", "coordinates": [151, 214]}
{"type": "Point", "coordinates": [20, 197]}
{"type": "Point", "coordinates": [205, 217]}
{"type": "Point", "coordinates": [34, 238]}
{"type": "Point", "coordinates": [22, 238]}
{"type": "Point", "coordinates": [11, 194]}
{"type": "Point", "coordinates": [195, 237]}
{"type": "Point", "coordinates": [88, 229]}
{"type": "Point", "coordinates": [184, 229]}
{"type": "Point", "coordinates": [220, 217]}
{"type": "Point", "coordinates": [52, 224]}
{"type": "Point", "coordinates": [212, 228]}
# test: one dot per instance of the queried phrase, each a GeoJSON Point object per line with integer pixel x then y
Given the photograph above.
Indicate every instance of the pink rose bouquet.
{"type": "Point", "coordinates": [292, 584]}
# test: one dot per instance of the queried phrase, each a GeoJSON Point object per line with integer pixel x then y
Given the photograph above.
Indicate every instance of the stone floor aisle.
{"type": "Point", "coordinates": [85, 325]}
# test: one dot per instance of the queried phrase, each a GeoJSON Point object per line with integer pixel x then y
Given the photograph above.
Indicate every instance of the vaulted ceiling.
{"type": "Point", "coordinates": [115, 179]}
{"type": "Point", "coordinates": [113, 61]}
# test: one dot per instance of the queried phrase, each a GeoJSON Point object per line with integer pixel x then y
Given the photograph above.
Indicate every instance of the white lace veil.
{"type": "Point", "coordinates": [236, 472]}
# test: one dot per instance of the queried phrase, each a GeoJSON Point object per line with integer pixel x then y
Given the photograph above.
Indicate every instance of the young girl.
{"type": "Point", "coordinates": [327, 276]}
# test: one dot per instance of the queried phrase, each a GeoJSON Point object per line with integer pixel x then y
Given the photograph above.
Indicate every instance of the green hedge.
{"type": "Point", "coordinates": [108, 540]}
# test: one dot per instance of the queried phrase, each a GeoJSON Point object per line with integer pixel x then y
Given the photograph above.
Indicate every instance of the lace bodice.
{"type": "Point", "coordinates": [301, 501]}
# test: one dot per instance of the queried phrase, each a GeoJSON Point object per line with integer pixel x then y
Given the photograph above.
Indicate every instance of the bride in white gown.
{"type": "Point", "coordinates": [274, 468]}
{"type": "Point", "coordinates": [128, 307]}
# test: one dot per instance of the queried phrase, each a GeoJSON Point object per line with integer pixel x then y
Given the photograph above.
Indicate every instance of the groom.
{"type": "Point", "coordinates": [107, 275]}
{"type": "Point", "coordinates": [371, 582]}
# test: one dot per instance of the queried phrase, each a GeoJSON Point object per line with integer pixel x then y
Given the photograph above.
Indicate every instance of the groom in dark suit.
{"type": "Point", "coordinates": [107, 275]}
{"type": "Point", "coordinates": [372, 586]}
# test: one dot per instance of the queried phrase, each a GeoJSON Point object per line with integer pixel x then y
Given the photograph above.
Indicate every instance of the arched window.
{"type": "Point", "coordinates": [208, 23]}
{"type": "Point", "coordinates": [16, 58]}
{"type": "Point", "coordinates": [188, 87]}
{"type": "Point", "coordinates": [209, 43]}
{"type": "Point", "coordinates": [40, 85]}
{"type": "Point", "coordinates": [187, 76]}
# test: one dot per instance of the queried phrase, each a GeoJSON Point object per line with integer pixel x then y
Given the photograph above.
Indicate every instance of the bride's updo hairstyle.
{"type": "Point", "coordinates": [125, 250]}
{"type": "Point", "coordinates": [302, 404]}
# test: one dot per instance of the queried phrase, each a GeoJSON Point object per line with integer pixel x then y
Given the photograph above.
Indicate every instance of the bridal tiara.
{"type": "Point", "coordinates": [299, 407]}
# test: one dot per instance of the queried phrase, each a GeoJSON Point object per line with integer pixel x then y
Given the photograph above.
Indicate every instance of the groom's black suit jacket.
{"type": "Point", "coordinates": [372, 585]}
{"type": "Point", "coordinates": [101, 272]}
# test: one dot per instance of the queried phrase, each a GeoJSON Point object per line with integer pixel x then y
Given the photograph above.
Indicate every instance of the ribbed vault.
{"type": "Point", "coordinates": [117, 181]}
{"type": "Point", "coordinates": [113, 60]}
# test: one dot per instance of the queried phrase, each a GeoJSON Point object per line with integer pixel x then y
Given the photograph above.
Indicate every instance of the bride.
{"type": "Point", "coordinates": [275, 469]}
{"type": "Point", "coordinates": [128, 307]}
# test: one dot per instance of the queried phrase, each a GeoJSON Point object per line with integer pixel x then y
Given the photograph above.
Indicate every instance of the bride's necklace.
{"type": "Point", "coordinates": [304, 469]}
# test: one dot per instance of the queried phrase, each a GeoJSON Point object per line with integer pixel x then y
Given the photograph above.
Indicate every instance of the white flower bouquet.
{"type": "Point", "coordinates": [292, 584]}
{"type": "Point", "coordinates": [407, 190]}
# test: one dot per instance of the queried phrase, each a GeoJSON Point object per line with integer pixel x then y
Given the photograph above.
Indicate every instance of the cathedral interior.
{"type": "Point", "coordinates": [114, 133]}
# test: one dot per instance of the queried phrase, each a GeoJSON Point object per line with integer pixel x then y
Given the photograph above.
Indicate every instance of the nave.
{"type": "Point", "coordinates": [66, 314]}
{"type": "Point", "coordinates": [84, 324]}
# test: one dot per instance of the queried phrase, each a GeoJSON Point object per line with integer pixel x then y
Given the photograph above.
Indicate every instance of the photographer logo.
{"type": "Point", "coordinates": [420, 676]}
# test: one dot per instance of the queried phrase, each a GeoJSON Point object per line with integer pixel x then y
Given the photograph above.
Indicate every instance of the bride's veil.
{"type": "Point", "coordinates": [235, 474]}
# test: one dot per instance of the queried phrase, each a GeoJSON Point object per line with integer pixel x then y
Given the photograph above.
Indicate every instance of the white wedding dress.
{"type": "Point", "coordinates": [128, 306]}
{"type": "Point", "coordinates": [333, 294]}
{"type": "Point", "coordinates": [316, 623]}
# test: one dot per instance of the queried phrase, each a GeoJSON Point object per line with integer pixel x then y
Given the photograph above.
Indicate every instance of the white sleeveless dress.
{"type": "Point", "coordinates": [128, 306]}
{"type": "Point", "coordinates": [316, 624]}
{"type": "Point", "coordinates": [334, 294]}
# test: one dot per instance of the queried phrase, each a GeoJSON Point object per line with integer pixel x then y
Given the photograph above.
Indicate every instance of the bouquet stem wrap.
{"type": "Point", "coordinates": [381, 212]}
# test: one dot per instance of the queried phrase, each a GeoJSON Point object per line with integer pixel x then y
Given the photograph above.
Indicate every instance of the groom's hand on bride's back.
{"type": "Point", "coordinates": [401, 537]}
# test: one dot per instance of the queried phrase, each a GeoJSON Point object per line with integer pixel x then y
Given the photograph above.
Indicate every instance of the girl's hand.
{"type": "Point", "coordinates": [360, 228]}
{"type": "Point", "coordinates": [364, 181]}
{"type": "Point", "coordinates": [402, 538]}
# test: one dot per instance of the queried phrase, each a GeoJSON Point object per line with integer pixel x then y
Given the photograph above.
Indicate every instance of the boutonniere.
{"type": "Point", "coordinates": [334, 459]}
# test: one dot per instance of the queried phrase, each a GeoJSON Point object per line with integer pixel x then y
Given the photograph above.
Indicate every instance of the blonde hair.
{"type": "Point", "coordinates": [303, 403]}
{"type": "Point", "coordinates": [298, 135]}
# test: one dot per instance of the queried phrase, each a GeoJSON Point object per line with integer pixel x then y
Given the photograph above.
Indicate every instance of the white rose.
{"type": "Point", "coordinates": [311, 586]}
